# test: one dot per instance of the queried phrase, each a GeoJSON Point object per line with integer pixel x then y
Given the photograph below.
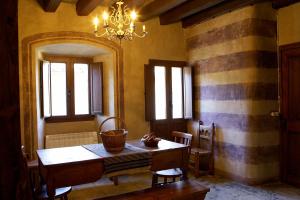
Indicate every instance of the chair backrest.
{"type": "Point", "coordinates": [206, 135]}
{"type": "Point", "coordinates": [183, 138]}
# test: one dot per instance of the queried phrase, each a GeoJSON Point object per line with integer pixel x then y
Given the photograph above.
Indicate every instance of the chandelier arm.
{"type": "Point", "coordinates": [144, 34]}
{"type": "Point", "coordinates": [97, 34]}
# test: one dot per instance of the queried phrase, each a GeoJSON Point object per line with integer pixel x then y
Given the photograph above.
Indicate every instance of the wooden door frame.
{"type": "Point", "coordinates": [168, 64]}
{"type": "Point", "coordinates": [283, 108]}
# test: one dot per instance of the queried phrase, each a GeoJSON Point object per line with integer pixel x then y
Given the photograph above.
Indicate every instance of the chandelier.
{"type": "Point", "coordinates": [119, 23]}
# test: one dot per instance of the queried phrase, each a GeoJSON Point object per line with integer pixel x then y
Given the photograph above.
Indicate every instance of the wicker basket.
{"type": "Point", "coordinates": [113, 140]}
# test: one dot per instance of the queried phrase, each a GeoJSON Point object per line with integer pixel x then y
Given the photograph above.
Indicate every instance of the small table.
{"type": "Point", "coordinates": [60, 167]}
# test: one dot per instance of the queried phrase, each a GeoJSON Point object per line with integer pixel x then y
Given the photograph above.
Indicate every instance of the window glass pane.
{"type": "Point", "coordinates": [46, 88]}
{"type": "Point", "coordinates": [177, 92]}
{"type": "Point", "coordinates": [160, 92]}
{"type": "Point", "coordinates": [81, 88]}
{"type": "Point", "coordinates": [58, 89]}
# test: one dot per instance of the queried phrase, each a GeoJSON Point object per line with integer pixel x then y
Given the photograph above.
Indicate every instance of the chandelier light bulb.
{"type": "Point", "coordinates": [105, 16]}
{"type": "Point", "coordinates": [133, 15]}
{"type": "Point", "coordinates": [96, 23]}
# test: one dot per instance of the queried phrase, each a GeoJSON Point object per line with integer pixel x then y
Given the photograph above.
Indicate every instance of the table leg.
{"type": "Point", "coordinates": [185, 163]}
{"type": "Point", "coordinates": [50, 189]}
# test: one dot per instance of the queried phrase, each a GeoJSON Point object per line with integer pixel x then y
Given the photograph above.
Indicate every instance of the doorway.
{"type": "Point", "coordinates": [290, 108]}
{"type": "Point", "coordinates": [29, 125]}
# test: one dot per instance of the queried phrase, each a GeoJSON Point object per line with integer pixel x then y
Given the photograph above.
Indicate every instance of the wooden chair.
{"type": "Point", "coordinates": [205, 148]}
{"type": "Point", "coordinates": [179, 137]}
{"type": "Point", "coordinates": [39, 192]}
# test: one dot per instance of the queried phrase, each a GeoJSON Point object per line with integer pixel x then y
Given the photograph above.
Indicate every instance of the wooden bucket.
{"type": "Point", "coordinates": [113, 140]}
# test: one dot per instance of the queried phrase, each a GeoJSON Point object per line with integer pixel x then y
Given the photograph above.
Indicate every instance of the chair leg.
{"type": "Point", "coordinates": [211, 166]}
{"type": "Point", "coordinates": [154, 180]}
{"type": "Point", "coordinates": [66, 197]}
{"type": "Point", "coordinates": [115, 180]}
{"type": "Point", "coordinates": [165, 180]}
{"type": "Point", "coordinates": [197, 167]}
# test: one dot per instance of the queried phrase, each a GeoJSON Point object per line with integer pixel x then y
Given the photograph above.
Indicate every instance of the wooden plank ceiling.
{"type": "Point", "coordinates": [189, 12]}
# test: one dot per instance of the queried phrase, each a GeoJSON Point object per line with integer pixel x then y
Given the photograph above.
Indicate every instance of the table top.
{"type": "Point", "coordinates": [63, 155]}
{"type": "Point", "coordinates": [75, 154]}
{"type": "Point", "coordinates": [162, 145]}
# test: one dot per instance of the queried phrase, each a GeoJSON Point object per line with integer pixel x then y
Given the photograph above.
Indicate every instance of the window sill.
{"type": "Point", "coordinates": [69, 119]}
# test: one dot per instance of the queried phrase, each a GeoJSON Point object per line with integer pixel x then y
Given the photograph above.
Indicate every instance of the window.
{"type": "Point", "coordinates": [168, 96]}
{"type": "Point", "coordinates": [71, 88]}
{"type": "Point", "coordinates": [168, 90]}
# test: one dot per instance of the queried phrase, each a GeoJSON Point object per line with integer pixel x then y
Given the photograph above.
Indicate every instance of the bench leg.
{"type": "Point", "coordinates": [197, 167]}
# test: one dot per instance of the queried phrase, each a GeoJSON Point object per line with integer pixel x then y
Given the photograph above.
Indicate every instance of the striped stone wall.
{"type": "Point", "coordinates": [236, 86]}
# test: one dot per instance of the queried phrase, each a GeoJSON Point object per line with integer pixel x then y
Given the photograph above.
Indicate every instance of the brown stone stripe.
{"type": "Point", "coordinates": [246, 27]}
{"type": "Point", "coordinates": [240, 91]}
{"type": "Point", "coordinates": [246, 123]}
{"type": "Point", "coordinates": [240, 60]}
{"type": "Point", "coordinates": [248, 155]}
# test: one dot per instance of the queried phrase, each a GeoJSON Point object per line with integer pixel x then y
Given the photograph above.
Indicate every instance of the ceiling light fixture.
{"type": "Point", "coordinates": [119, 23]}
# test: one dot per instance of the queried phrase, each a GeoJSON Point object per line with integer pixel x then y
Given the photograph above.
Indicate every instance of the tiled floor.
{"type": "Point", "coordinates": [220, 189]}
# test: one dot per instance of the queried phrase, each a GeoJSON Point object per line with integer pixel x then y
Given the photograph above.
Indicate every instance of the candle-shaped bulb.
{"type": "Point", "coordinates": [131, 27]}
{"type": "Point", "coordinates": [96, 23]}
{"type": "Point", "coordinates": [105, 17]}
{"type": "Point", "coordinates": [133, 15]}
{"type": "Point", "coordinates": [144, 28]}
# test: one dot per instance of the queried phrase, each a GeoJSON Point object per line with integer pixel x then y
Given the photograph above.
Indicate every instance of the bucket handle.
{"type": "Point", "coordinates": [109, 118]}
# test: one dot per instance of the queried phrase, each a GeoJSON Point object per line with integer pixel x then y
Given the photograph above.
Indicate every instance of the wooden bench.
{"type": "Point", "coordinates": [182, 190]}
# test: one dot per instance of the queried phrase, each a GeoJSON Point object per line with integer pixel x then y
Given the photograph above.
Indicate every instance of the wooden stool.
{"type": "Point", "coordinates": [166, 174]}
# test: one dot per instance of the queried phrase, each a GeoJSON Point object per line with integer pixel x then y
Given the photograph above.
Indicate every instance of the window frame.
{"type": "Point", "coordinates": [69, 61]}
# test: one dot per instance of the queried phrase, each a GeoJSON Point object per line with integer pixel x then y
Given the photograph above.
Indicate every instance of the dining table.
{"type": "Point", "coordinates": [69, 166]}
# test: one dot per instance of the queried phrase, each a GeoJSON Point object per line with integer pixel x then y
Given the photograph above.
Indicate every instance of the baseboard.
{"type": "Point", "coordinates": [247, 181]}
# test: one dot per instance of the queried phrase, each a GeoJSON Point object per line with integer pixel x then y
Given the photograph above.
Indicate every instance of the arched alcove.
{"type": "Point", "coordinates": [28, 75]}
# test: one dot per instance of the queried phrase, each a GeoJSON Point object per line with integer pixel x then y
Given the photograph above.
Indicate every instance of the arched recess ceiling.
{"type": "Point", "coordinates": [27, 78]}
{"type": "Point", "coordinates": [72, 49]}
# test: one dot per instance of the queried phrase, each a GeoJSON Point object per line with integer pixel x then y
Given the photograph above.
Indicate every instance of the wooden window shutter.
{"type": "Point", "coordinates": [96, 88]}
{"type": "Point", "coordinates": [188, 95]}
{"type": "Point", "coordinates": [45, 78]}
{"type": "Point", "coordinates": [149, 93]}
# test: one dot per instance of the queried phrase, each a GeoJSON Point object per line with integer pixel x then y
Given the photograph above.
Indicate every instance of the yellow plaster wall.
{"type": "Point", "coordinates": [163, 42]}
{"type": "Point", "coordinates": [288, 24]}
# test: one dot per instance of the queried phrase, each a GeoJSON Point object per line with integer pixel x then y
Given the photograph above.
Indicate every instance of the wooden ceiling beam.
{"type": "Point", "coordinates": [157, 7]}
{"type": "Point", "coordinates": [186, 9]}
{"type": "Point", "coordinates": [85, 7]}
{"type": "Point", "coordinates": [135, 4]}
{"type": "Point", "coordinates": [49, 5]}
{"type": "Point", "coordinates": [283, 3]}
{"type": "Point", "coordinates": [219, 9]}
{"type": "Point", "coordinates": [130, 3]}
